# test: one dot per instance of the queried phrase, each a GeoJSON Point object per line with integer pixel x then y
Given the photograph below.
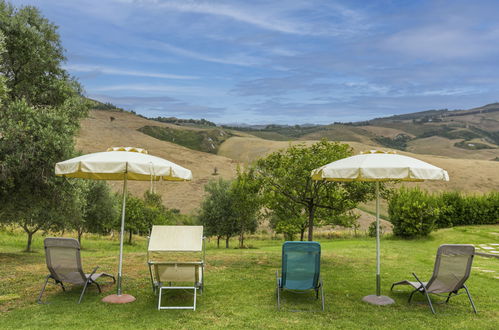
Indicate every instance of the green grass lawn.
{"type": "Point", "coordinates": [240, 287]}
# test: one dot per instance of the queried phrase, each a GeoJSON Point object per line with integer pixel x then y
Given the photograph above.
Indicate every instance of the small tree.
{"type": "Point", "coordinates": [286, 175]}
{"type": "Point", "coordinates": [216, 213]}
{"type": "Point", "coordinates": [246, 203]}
{"type": "Point", "coordinates": [96, 208]}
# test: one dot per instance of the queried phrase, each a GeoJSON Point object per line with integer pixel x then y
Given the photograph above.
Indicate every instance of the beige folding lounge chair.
{"type": "Point", "coordinates": [164, 243]}
{"type": "Point", "coordinates": [452, 269]}
{"type": "Point", "coordinates": [64, 264]}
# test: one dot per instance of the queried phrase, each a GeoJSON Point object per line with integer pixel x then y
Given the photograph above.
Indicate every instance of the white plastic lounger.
{"type": "Point", "coordinates": [166, 240]}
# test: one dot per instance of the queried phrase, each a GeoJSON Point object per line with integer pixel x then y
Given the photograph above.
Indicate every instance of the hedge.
{"type": "Point", "coordinates": [414, 212]}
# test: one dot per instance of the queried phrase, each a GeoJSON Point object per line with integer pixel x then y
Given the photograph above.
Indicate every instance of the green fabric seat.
{"type": "Point", "coordinates": [300, 269]}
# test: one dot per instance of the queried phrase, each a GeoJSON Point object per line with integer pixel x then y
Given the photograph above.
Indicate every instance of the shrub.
{"type": "Point", "coordinates": [459, 210]}
{"type": "Point", "coordinates": [412, 212]}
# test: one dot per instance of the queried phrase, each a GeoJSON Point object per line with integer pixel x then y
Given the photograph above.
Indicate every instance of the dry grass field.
{"type": "Point", "coordinates": [466, 175]}
{"type": "Point", "coordinates": [473, 175]}
{"type": "Point", "coordinates": [98, 133]}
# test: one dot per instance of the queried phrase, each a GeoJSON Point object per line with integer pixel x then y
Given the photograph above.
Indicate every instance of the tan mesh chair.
{"type": "Point", "coordinates": [164, 242]}
{"type": "Point", "coordinates": [452, 269]}
{"type": "Point", "coordinates": [64, 264]}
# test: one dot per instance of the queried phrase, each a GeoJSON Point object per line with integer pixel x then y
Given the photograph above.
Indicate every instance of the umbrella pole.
{"type": "Point", "coordinates": [120, 298]}
{"type": "Point", "coordinates": [378, 299]}
{"type": "Point", "coordinates": [378, 263]}
{"type": "Point", "coordinates": [123, 207]}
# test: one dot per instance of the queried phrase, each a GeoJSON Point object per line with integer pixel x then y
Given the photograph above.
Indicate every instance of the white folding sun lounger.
{"type": "Point", "coordinates": [165, 242]}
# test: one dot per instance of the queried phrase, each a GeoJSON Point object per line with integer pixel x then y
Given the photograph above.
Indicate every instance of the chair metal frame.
{"type": "Point", "coordinates": [158, 286]}
{"type": "Point", "coordinates": [87, 279]}
{"type": "Point", "coordinates": [425, 287]}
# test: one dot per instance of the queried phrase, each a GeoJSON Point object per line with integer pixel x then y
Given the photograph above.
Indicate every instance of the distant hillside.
{"type": "Point", "coordinates": [207, 140]}
{"type": "Point", "coordinates": [472, 133]}
{"type": "Point", "coordinates": [103, 129]}
{"type": "Point", "coordinates": [99, 132]}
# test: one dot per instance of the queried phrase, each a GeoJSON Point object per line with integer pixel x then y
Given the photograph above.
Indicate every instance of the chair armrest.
{"type": "Point", "coordinates": [417, 279]}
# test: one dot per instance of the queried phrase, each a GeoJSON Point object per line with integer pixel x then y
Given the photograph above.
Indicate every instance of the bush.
{"type": "Point", "coordinates": [412, 212]}
{"type": "Point", "coordinates": [448, 209]}
{"type": "Point", "coordinates": [459, 210]}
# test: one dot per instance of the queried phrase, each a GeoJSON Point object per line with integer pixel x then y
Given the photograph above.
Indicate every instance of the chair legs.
{"type": "Point", "coordinates": [84, 289]}
{"type": "Point", "coordinates": [322, 294]}
{"type": "Point", "coordinates": [423, 291]}
{"type": "Point", "coordinates": [469, 297]}
{"type": "Point", "coordinates": [177, 287]}
{"type": "Point", "coordinates": [278, 290]}
{"type": "Point", "coordinates": [43, 289]}
{"type": "Point", "coordinates": [429, 301]}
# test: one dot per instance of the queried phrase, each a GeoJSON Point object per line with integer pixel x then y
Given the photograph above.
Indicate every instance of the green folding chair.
{"type": "Point", "coordinates": [301, 263]}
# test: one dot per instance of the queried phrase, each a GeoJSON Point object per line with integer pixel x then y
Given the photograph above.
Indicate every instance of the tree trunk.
{"type": "Point", "coordinates": [227, 242]}
{"type": "Point", "coordinates": [241, 240]}
{"type": "Point", "coordinates": [311, 213]}
{"type": "Point", "coordinates": [302, 233]}
{"type": "Point", "coordinates": [80, 234]}
{"type": "Point", "coordinates": [30, 235]}
{"type": "Point", "coordinates": [130, 237]}
{"type": "Point", "coordinates": [218, 241]}
{"type": "Point", "coordinates": [30, 239]}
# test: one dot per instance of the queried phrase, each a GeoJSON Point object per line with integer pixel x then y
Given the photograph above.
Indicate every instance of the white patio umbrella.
{"type": "Point", "coordinates": [122, 163]}
{"type": "Point", "coordinates": [379, 166]}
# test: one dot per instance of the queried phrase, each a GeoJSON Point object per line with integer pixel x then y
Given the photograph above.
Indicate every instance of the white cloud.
{"type": "Point", "coordinates": [124, 72]}
{"type": "Point", "coordinates": [238, 59]}
{"type": "Point", "coordinates": [155, 89]}
{"type": "Point", "coordinates": [444, 41]}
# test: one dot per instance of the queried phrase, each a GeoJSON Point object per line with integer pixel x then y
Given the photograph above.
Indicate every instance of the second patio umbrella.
{"type": "Point", "coordinates": [122, 163]}
{"type": "Point", "coordinates": [379, 166]}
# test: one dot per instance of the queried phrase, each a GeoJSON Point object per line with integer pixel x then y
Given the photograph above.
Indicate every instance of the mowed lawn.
{"type": "Point", "coordinates": [240, 287]}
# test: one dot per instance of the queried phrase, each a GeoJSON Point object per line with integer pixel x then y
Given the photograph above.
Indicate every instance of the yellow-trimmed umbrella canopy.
{"type": "Point", "coordinates": [378, 165]}
{"type": "Point", "coordinates": [113, 164]}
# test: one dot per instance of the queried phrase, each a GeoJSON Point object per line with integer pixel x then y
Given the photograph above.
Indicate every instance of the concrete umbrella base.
{"type": "Point", "coordinates": [378, 300]}
{"type": "Point", "coordinates": [118, 299]}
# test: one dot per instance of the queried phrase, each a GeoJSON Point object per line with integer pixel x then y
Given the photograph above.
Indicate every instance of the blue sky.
{"type": "Point", "coordinates": [284, 62]}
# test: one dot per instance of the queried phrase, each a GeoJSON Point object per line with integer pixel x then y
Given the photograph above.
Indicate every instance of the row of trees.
{"type": "Point", "coordinates": [41, 106]}
{"type": "Point", "coordinates": [40, 109]}
{"type": "Point", "coordinates": [279, 188]}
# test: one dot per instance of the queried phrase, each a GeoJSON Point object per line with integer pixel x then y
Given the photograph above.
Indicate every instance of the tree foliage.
{"type": "Point", "coordinates": [95, 208]}
{"type": "Point", "coordinates": [142, 214]}
{"type": "Point", "coordinates": [39, 118]}
{"type": "Point", "coordinates": [295, 200]}
{"type": "Point", "coordinates": [231, 207]}
{"type": "Point", "coordinates": [33, 57]}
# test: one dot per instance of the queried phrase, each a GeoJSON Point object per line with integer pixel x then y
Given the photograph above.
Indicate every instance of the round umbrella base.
{"type": "Point", "coordinates": [378, 300]}
{"type": "Point", "coordinates": [118, 299]}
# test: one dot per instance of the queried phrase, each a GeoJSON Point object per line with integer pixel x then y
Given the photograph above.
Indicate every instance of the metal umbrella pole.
{"type": "Point", "coordinates": [120, 298]}
{"type": "Point", "coordinates": [378, 257]}
{"type": "Point", "coordinates": [122, 233]}
{"type": "Point", "coordinates": [378, 299]}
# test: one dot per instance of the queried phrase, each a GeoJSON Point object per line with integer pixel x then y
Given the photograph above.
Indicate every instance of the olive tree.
{"type": "Point", "coordinates": [39, 118]}
{"type": "Point", "coordinates": [286, 180]}
{"type": "Point", "coordinates": [231, 208]}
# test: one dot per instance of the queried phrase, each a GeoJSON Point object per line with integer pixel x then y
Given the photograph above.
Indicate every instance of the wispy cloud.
{"type": "Point", "coordinates": [124, 72]}
{"type": "Point", "coordinates": [280, 17]}
{"type": "Point", "coordinates": [237, 59]}
{"type": "Point", "coordinates": [161, 106]}
{"type": "Point", "coordinates": [159, 88]}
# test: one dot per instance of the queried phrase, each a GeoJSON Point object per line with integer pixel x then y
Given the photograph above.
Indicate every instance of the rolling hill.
{"type": "Point", "coordinates": [98, 132]}
{"type": "Point", "coordinates": [471, 170]}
